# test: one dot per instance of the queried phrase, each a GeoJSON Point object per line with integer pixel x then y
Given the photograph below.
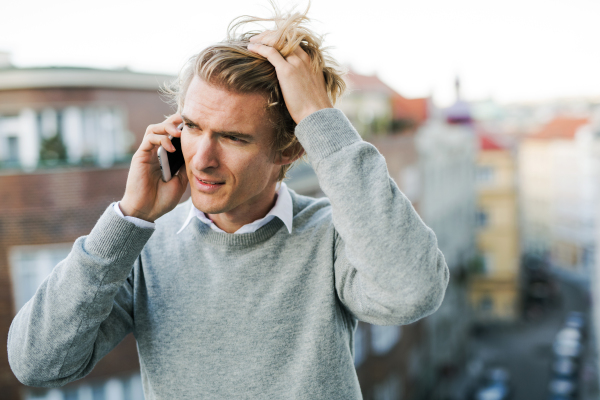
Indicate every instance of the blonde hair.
{"type": "Point", "coordinates": [230, 65]}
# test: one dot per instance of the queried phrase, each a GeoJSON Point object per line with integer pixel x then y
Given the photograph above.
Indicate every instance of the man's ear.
{"type": "Point", "coordinates": [289, 155]}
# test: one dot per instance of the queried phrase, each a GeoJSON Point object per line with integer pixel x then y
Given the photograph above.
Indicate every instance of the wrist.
{"type": "Point", "coordinates": [312, 110]}
{"type": "Point", "coordinates": [129, 211]}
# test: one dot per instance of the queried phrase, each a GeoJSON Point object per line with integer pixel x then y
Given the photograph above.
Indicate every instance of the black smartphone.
{"type": "Point", "coordinates": [171, 162]}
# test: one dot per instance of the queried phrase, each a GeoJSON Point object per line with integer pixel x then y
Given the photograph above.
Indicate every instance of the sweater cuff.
{"type": "Point", "coordinates": [140, 223]}
{"type": "Point", "coordinates": [115, 238]}
{"type": "Point", "coordinates": [324, 132]}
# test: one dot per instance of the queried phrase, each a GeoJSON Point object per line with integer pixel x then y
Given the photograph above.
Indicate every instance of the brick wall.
{"type": "Point", "coordinates": [49, 208]}
{"type": "Point", "coordinates": [59, 205]}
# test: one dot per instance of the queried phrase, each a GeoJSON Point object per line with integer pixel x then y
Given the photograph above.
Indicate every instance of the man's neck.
{"type": "Point", "coordinates": [244, 214]}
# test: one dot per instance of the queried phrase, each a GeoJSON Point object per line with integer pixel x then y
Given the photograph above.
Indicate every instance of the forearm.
{"type": "Point", "coordinates": [80, 310]}
{"type": "Point", "coordinates": [384, 238]}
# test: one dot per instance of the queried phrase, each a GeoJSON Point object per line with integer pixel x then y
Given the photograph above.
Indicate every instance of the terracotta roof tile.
{"type": "Point", "coordinates": [367, 83]}
{"type": "Point", "coordinates": [402, 108]}
{"type": "Point", "coordinates": [560, 128]}
{"type": "Point", "coordinates": [415, 109]}
{"type": "Point", "coordinates": [488, 143]}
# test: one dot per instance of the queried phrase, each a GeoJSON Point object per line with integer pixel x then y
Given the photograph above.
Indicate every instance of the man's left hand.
{"type": "Point", "coordinates": [303, 89]}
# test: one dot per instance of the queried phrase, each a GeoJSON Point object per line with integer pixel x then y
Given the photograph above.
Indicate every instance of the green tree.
{"type": "Point", "coordinates": [53, 150]}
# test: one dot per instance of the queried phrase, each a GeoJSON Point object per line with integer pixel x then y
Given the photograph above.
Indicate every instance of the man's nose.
{"type": "Point", "coordinates": [207, 153]}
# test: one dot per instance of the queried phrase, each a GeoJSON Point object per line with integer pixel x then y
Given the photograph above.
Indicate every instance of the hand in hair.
{"type": "Point", "coordinates": [303, 89]}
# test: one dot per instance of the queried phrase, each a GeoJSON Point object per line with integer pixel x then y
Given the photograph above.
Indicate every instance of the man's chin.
{"type": "Point", "coordinates": [208, 207]}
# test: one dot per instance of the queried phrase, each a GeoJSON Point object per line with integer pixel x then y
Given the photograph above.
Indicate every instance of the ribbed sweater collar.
{"type": "Point", "coordinates": [203, 233]}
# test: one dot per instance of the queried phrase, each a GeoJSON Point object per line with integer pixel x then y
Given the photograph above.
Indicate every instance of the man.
{"type": "Point", "coordinates": [248, 290]}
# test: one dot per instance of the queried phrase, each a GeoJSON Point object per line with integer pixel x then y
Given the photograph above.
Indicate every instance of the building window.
{"type": "Point", "coordinates": [115, 388]}
{"type": "Point", "coordinates": [30, 265]}
{"type": "Point", "coordinates": [482, 219]}
{"type": "Point", "coordinates": [390, 389]}
{"type": "Point", "coordinates": [70, 394]}
{"type": "Point", "coordinates": [98, 392]}
{"type": "Point", "coordinates": [12, 157]}
{"type": "Point", "coordinates": [384, 338]}
{"type": "Point", "coordinates": [360, 347]}
{"type": "Point", "coordinates": [488, 263]}
{"type": "Point", "coordinates": [94, 134]}
{"type": "Point", "coordinates": [485, 174]}
{"type": "Point", "coordinates": [486, 304]}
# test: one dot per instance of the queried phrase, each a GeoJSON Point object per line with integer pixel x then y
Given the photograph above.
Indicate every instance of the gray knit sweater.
{"type": "Point", "coordinates": [263, 315]}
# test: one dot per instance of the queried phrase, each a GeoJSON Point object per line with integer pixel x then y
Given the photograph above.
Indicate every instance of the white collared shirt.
{"type": "Point", "coordinates": [283, 209]}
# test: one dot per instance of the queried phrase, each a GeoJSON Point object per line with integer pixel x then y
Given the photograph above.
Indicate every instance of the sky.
{"type": "Point", "coordinates": [508, 51]}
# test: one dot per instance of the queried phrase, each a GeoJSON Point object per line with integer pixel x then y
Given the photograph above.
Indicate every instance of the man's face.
{"type": "Point", "coordinates": [227, 147]}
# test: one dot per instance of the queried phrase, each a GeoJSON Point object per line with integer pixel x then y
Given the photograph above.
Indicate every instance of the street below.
{"type": "Point", "coordinates": [525, 348]}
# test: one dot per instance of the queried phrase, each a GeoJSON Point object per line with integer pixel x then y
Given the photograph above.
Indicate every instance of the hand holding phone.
{"type": "Point", "coordinates": [150, 192]}
{"type": "Point", "coordinates": [171, 162]}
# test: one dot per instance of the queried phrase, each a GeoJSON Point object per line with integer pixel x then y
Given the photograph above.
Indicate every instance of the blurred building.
{"type": "Point", "coordinates": [495, 287]}
{"type": "Point", "coordinates": [447, 151]}
{"type": "Point", "coordinates": [389, 359]}
{"type": "Point", "coordinates": [592, 130]}
{"type": "Point", "coordinates": [66, 138]}
{"type": "Point", "coordinates": [557, 185]}
{"type": "Point", "coordinates": [375, 108]}
{"type": "Point", "coordinates": [516, 120]}
{"type": "Point", "coordinates": [431, 155]}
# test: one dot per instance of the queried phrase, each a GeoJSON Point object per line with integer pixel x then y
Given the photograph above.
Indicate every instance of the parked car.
{"type": "Point", "coordinates": [575, 319]}
{"type": "Point", "coordinates": [564, 367]}
{"type": "Point", "coordinates": [496, 391]}
{"type": "Point", "coordinates": [564, 388]}
{"type": "Point", "coordinates": [494, 385]}
{"type": "Point", "coordinates": [567, 348]}
{"type": "Point", "coordinates": [569, 333]}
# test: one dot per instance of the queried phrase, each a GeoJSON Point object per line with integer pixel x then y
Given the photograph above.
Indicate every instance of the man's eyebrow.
{"type": "Point", "coordinates": [240, 135]}
{"type": "Point", "coordinates": [246, 136]}
{"type": "Point", "coordinates": [188, 121]}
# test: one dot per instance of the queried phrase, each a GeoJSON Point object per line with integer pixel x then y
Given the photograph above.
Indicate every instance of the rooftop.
{"type": "Point", "coordinates": [560, 128]}
{"type": "Point", "coordinates": [488, 143]}
{"type": "Point", "coordinates": [402, 108]}
{"type": "Point", "coordinates": [12, 78]}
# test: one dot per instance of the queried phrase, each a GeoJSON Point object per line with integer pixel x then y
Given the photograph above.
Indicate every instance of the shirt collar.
{"type": "Point", "coordinates": [283, 209]}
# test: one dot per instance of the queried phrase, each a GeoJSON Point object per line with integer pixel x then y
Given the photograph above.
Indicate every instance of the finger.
{"type": "Point", "coordinates": [303, 55]}
{"type": "Point", "coordinates": [269, 53]}
{"type": "Point", "coordinates": [172, 124]}
{"type": "Point", "coordinates": [266, 37]}
{"type": "Point", "coordinates": [165, 128]}
{"type": "Point", "coordinates": [175, 129]}
{"type": "Point", "coordinates": [152, 140]}
{"type": "Point", "coordinates": [175, 119]}
{"type": "Point", "coordinates": [294, 60]}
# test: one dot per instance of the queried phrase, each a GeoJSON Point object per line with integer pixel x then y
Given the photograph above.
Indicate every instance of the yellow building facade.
{"type": "Point", "coordinates": [494, 285]}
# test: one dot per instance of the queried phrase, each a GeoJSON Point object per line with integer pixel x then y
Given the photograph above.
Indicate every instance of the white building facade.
{"type": "Point", "coordinates": [447, 162]}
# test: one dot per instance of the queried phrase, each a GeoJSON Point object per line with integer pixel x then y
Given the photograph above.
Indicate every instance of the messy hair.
{"type": "Point", "coordinates": [231, 66]}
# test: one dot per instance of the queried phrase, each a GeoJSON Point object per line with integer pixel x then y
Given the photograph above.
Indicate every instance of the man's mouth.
{"type": "Point", "coordinates": [211, 182]}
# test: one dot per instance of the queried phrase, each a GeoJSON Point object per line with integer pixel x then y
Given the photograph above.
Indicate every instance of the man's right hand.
{"type": "Point", "coordinates": [146, 196]}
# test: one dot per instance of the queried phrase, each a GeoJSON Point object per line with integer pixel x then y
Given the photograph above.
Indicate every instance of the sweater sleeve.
{"type": "Point", "coordinates": [82, 310]}
{"type": "Point", "coordinates": [388, 268]}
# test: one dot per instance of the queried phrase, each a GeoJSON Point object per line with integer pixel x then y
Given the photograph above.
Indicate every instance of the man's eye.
{"type": "Point", "coordinates": [234, 139]}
